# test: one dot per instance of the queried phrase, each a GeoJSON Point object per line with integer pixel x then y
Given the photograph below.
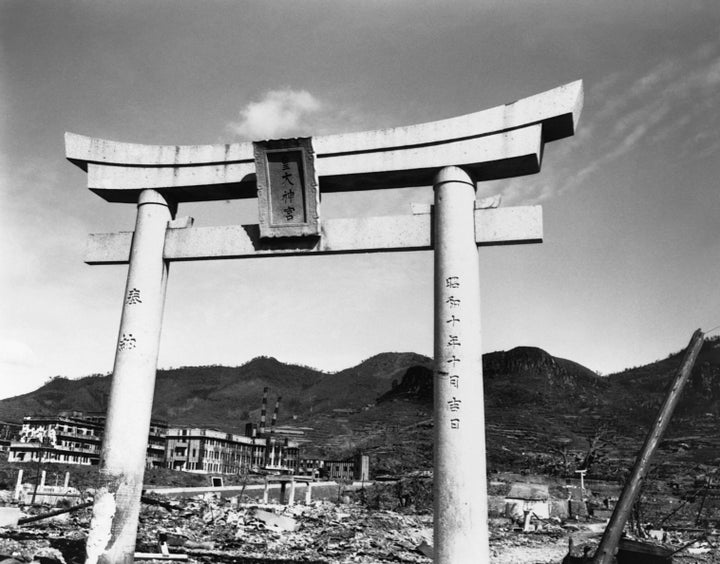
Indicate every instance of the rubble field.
{"type": "Point", "coordinates": [212, 529]}
{"type": "Point", "coordinates": [209, 528]}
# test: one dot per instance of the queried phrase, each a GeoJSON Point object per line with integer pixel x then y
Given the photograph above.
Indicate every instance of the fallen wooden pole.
{"type": "Point", "coordinates": [608, 544]}
{"type": "Point", "coordinates": [159, 556]}
{"type": "Point", "coordinates": [79, 506]}
{"type": "Point", "coordinates": [165, 505]}
{"type": "Point", "coordinates": [54, 513]}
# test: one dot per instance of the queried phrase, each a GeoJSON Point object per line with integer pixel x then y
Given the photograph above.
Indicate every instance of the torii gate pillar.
{"type": "Point", "coordinates": [113, 529]}
{"type": "Point", "coordinates": [459, 486]}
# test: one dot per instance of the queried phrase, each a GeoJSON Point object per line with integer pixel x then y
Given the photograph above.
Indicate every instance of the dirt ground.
{"type": "Point", "coordinates": [538, 549]}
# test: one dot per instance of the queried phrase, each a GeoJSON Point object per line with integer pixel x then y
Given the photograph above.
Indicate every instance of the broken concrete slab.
{"type": "Point", "coordinates": [9, 516]}
{"type": "Point", "coordinates": [276, 522]}
{"type": "Point", "coordinates": [529, 492]}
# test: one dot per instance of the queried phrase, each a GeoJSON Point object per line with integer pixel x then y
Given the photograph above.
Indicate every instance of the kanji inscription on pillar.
{"type": "Point", "coordinates": [127, 342]}
{"type": "Point", "coordinates": [288, 195]}
{"type": "Point", "coordinates": [453, 346]}
{"type": "Point", "coordinates": [133, 297]}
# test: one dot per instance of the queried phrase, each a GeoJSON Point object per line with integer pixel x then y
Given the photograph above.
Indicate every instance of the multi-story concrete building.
{"type": "Point", "coordinates": [353, 468]}
{"type": "Point", "coordinates": [157, 443]}
{"type": "Point", "coordinates": [9, 430]}
{"type": "Point", "coordinates": [74, 438]}
{"type": "Point", "coordinates": [310, 467]}
{"type": "Point", "coordinates": [68, 440]}
{"type": "Point", "coordinates": [156, 437]}
{"type": "Point", "coordinates": [192, 449]}
{"type": "Point", "coordinates": [213, 451]}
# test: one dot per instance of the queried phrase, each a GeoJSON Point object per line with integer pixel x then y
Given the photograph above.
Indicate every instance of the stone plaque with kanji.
{"type": "Point", "coordinates": [288, 195]}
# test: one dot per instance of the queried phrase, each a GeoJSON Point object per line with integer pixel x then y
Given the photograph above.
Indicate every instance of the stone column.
{"type": "Point", "coordinates": [460, 489]}
{"type": "Point", "coordinates": [43, 474]}
{"type": "Point", "coordinates": [113, 530]}
{"type": "Point", "coordinates": [291, 500]}
{"type": "Point", "coordinates": [18, 484]}
{"type": "Point", "coordinates": [266, 491]}
{"type": "Point", "coordinates": [67, 480]}
{"type": "Point", "coordinates": [308, 494]}
{"type": "Point", "coordinates": [582, 479]}
{"type": "Point", "coordinates": [283, 489]}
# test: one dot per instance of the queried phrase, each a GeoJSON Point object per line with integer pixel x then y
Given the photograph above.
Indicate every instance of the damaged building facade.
{"type": "Point", "coordinates": [8, 430]}
{"type": "Point", "coordinates": [210, 450]}
{"type": "Point", "coordinates": [76, 438]}
{"type": "Point", "coordinates": [355, 468]}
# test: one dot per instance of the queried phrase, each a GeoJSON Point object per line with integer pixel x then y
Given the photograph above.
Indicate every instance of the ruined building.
{"type": "Point", "coordinates": [74, 438]}
{"type": "Point", "coordinates": [210, 450]}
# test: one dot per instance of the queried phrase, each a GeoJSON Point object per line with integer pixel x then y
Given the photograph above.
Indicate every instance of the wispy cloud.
{"type": "Point", "coordinates": [294, 113]}
{"type": "Point", "coordinates": [280, 113]}
{"type": "Point", "coordinates": [674, 102]}
{"type": "Point", "coordinates": [14, 352]}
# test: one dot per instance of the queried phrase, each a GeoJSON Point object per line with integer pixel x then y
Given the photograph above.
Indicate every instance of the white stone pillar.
{"type": "Point", "coordinates": [67, 480]}
{"type": "Point", "coordinates": [113, 530]}
{"type": "Point", "coordinates": [266, 491]}
{"type": "Point", "coordinates": [460, 489]}
{"type": "Point", "coordinates": [308, 494]}
{"type": "Point", "coordinates": [291, 500]}
{"type": "Point", "coordinates": [18, 484]}
{"type": "Point", "coordinates": [582, 479]}
{"type": "Point", "coordinates": [43, 474]}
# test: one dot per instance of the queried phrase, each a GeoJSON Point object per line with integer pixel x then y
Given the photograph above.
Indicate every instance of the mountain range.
{"type": "Point", "coordinates": [543, 413]}
{"type": "Point", "coordinates": [227, 397]}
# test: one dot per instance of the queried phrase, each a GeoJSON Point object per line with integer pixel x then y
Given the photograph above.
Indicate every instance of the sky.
{"type": "Point", "coordinates": [630, 262]}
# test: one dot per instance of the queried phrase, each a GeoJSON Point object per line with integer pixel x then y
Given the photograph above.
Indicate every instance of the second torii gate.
{"type": "Point", "coordinates": [288, 176]}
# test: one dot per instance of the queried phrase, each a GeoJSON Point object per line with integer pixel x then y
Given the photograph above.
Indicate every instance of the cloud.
{"type": "Point", "coordinates": [280, 113]}
{"type": "Point", "coordinates": [16, 353]}
{"type": "Point", "coordinates": [673, 103]}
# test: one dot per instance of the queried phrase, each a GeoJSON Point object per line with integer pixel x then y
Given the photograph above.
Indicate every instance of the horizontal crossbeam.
{"type": "Point", "coordinates": [497, 143]}
{"type": "Point", "coordinates": [498, 226]}
{"type": "Point", "coordinates": [514, 153]}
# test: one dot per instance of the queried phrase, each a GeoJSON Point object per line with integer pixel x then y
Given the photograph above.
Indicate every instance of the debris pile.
{"type": "Point", "coordinates": [210, 529]}
{"type": "Point", "coordinates": [213, 529]}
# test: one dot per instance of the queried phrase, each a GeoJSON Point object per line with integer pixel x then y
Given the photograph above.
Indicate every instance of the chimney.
{"type": "Point", "coordinates": [263, 411]}
{"type": "Point", "coordinates": [274, 418]}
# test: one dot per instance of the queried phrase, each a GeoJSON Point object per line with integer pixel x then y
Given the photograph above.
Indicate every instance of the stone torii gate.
{"type": "Point", "coordinates": [288, 176]}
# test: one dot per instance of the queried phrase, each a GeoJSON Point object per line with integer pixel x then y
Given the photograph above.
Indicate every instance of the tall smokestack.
{"type": "Point", "coordinates": [275, 413]}
{"type": "Point", "coordinates": [271, 452]}
{"type": "Point", "coordinates": [263, 412]}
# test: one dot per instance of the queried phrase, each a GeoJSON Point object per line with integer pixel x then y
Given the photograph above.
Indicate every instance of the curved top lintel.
{"type": "Point", "coordinates": [558, 110]}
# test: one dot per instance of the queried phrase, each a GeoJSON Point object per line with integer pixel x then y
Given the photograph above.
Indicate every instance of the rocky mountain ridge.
{"type": "Point", "coordinates": [384, 406]}
{"type": "Point", "coordinates": [227, 397]}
